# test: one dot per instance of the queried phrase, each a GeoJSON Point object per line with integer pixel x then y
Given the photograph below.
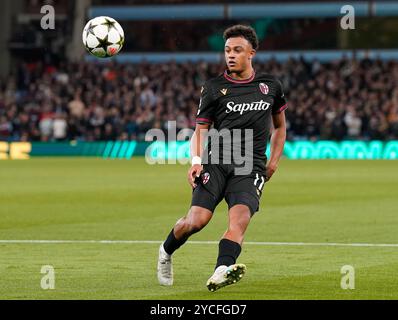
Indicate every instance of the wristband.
{"type": "Point", "coordinates": [196, 160]}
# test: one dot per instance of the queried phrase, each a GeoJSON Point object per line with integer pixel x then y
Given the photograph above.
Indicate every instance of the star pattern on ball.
{"type": "Point", "coordinates": [103, 43]}
{"type": "Point", "coordinates": [109, 23]}
{"type": "Point", "coordinates": [120, 42]}
{"type": "Point", "coordinates": [90, 29]}
{"type": "Point", "coordinates": [103, 37]}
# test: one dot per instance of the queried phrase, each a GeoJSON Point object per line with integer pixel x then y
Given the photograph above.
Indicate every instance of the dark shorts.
{"type": "Point", "coordinates": [218, 182]}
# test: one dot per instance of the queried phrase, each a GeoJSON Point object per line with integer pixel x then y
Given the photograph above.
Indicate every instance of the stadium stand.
{"type": "Point", "coordinates": [344, 99]}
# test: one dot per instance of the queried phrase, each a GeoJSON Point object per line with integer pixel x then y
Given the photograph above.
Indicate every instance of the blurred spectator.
{"type": "Point", "coordinates": [60, 128]}
{"type": "Point", "coordinates": [76, 107]}
{"type": "Point", "coordinates": [5, 128]}
{"type": "Point", "coordinates": [353, 123]}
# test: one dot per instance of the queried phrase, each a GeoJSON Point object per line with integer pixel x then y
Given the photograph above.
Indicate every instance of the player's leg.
{"type": "Point", "coordinates": [196, 219]}
{"type": "Point", "coordinates": [227, 271]}
{"type": "Point", "coordinates": [239, 219]}
{"type": "Point", "coordinates": [205, 198]}
{"type": "Point", "coordinates": [231, 242]}
{"type": "Point", "coordinates": [242, 195]}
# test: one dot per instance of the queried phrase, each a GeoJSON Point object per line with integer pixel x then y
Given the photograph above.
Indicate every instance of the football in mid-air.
{"type": "Point", "coordinates": [103, 37]}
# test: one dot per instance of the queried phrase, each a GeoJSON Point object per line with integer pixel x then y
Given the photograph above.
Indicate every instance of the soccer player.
{"type": "Point", "coordinates": [242, 99]}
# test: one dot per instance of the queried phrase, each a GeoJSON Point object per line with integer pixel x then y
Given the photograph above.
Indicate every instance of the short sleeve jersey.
{"type": "Point", "coordinates": [231, 104]}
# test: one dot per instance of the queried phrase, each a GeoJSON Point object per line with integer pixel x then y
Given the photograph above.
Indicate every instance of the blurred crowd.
{"type": "Point", "coordinates": [346, 99]}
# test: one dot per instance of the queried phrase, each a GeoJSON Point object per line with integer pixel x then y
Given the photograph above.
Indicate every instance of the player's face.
{"type": "Point", "coordinates": [238, 54]}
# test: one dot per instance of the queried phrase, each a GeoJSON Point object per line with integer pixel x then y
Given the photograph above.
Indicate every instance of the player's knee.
{"type": "Point", "coordinates": [240, 218]}
{"type": "Point", "coordinates": [197, 220]}
{"type": "Point", "coordinates": [182, 224]}
{"type": "Point", "coordinates": [188, 226]}
{"type": "Point", "coordinates": [237, 227]}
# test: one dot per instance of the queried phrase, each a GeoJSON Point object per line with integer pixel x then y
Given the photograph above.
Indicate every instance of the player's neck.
{"type": "Point", "coordinates": [244, 75]}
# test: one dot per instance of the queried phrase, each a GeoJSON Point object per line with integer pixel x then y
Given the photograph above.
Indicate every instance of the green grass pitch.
{"type": "Point", "coordinates": [96, 199]}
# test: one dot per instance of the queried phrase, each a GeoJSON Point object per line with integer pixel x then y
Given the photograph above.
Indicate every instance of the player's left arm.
{"type": "Point", "coordinates": [278, 139]}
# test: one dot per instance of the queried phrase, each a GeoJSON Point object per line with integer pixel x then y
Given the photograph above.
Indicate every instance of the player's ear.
{"type": "Point", "coordinates": [252, 54]}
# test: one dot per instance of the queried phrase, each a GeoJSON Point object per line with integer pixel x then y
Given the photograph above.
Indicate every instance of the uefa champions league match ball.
{"type": "Point", "coordinates": [103, 37]}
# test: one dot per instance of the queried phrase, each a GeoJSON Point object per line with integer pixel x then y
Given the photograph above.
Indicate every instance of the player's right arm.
{"type": "Point", "coordinates": [204, 120]}
{"type": "Point", "coordinates": [197, 146]}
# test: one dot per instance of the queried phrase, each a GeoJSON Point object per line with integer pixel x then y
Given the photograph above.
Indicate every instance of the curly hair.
{"type": "Point", "coordinates": [243, 31]}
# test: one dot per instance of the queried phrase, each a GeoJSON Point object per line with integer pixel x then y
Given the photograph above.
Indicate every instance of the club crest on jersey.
{"type": "Point", "coordinates": [205, 177]}
{"type": "Point", "coordinates": [264, 88]}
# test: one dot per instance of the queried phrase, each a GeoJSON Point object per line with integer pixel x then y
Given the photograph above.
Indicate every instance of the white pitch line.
{"type": "Point", "coordinates": [325, 244]}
